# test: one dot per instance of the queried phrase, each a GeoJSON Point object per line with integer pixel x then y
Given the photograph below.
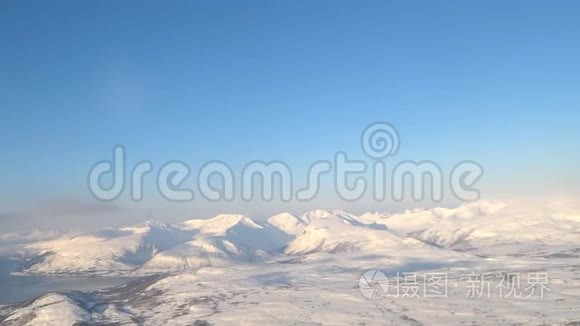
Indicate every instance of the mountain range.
{"type": "Point", "coordinates": [308, 268]}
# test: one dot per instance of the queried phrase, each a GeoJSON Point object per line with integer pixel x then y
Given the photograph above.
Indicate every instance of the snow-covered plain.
{"type": "Point", "coordinates": [306, 269]}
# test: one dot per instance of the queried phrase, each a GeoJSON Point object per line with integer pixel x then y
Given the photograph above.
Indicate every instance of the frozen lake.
{"type": "Point", "coordinates": [17, 288]}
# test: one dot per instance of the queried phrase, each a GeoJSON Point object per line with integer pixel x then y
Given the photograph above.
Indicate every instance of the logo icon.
{"type": "Point", "coordinates": [373, 284]}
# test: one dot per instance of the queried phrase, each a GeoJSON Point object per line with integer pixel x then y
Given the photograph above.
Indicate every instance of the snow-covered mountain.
{"type": "Point", "coordinates": [338, 231]}
{"type": "Point", "coordinates": [106, 251]}
{"type": "Point", "coordinates": [288, 223]}
{"type": "Point", "coordinates": [51, 309]}
{"type": "Point", "coordinates": [305, 268]}
{"type": "Point", "coordinates": [480, 224]}
{"type": "Point", "coordinates": [230, 239]}
{"type": "Point", "coordinates": [220, 241]}
{"type": "Point", "coordinates": [415, 220]}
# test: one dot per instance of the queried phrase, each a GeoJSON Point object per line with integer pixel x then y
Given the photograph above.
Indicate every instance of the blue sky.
{"type": "Point", "coordinates": [492, 81]}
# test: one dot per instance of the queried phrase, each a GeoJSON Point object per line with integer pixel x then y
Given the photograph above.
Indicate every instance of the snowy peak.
{"type": "Point", "coordinates": [339, 231]}
{"type": "Point", "coordinates": [104, 251]}
{"type": "Point", "coordinates": [223, 222]}
{"type": "Point", "coordinates": [370, 217]}
{"type": "Point", "coordinates": [153, 245]}
{"type": "Point", "coordinates": [220, 223]}
{"type": "Point", "coordinates": [50, 309]}
{"type": "Point", "coordinates": [149, 225]}
{"type": "Point", "coordinates": [319, 214]}
{"type": "Point", "coordinates": [288, 223]}
{"type": "Point", "coordinates": [220, 241]}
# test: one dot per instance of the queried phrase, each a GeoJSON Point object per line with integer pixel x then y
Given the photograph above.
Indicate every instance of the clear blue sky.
{"type": "Point", "coordinates": [493, 81]}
